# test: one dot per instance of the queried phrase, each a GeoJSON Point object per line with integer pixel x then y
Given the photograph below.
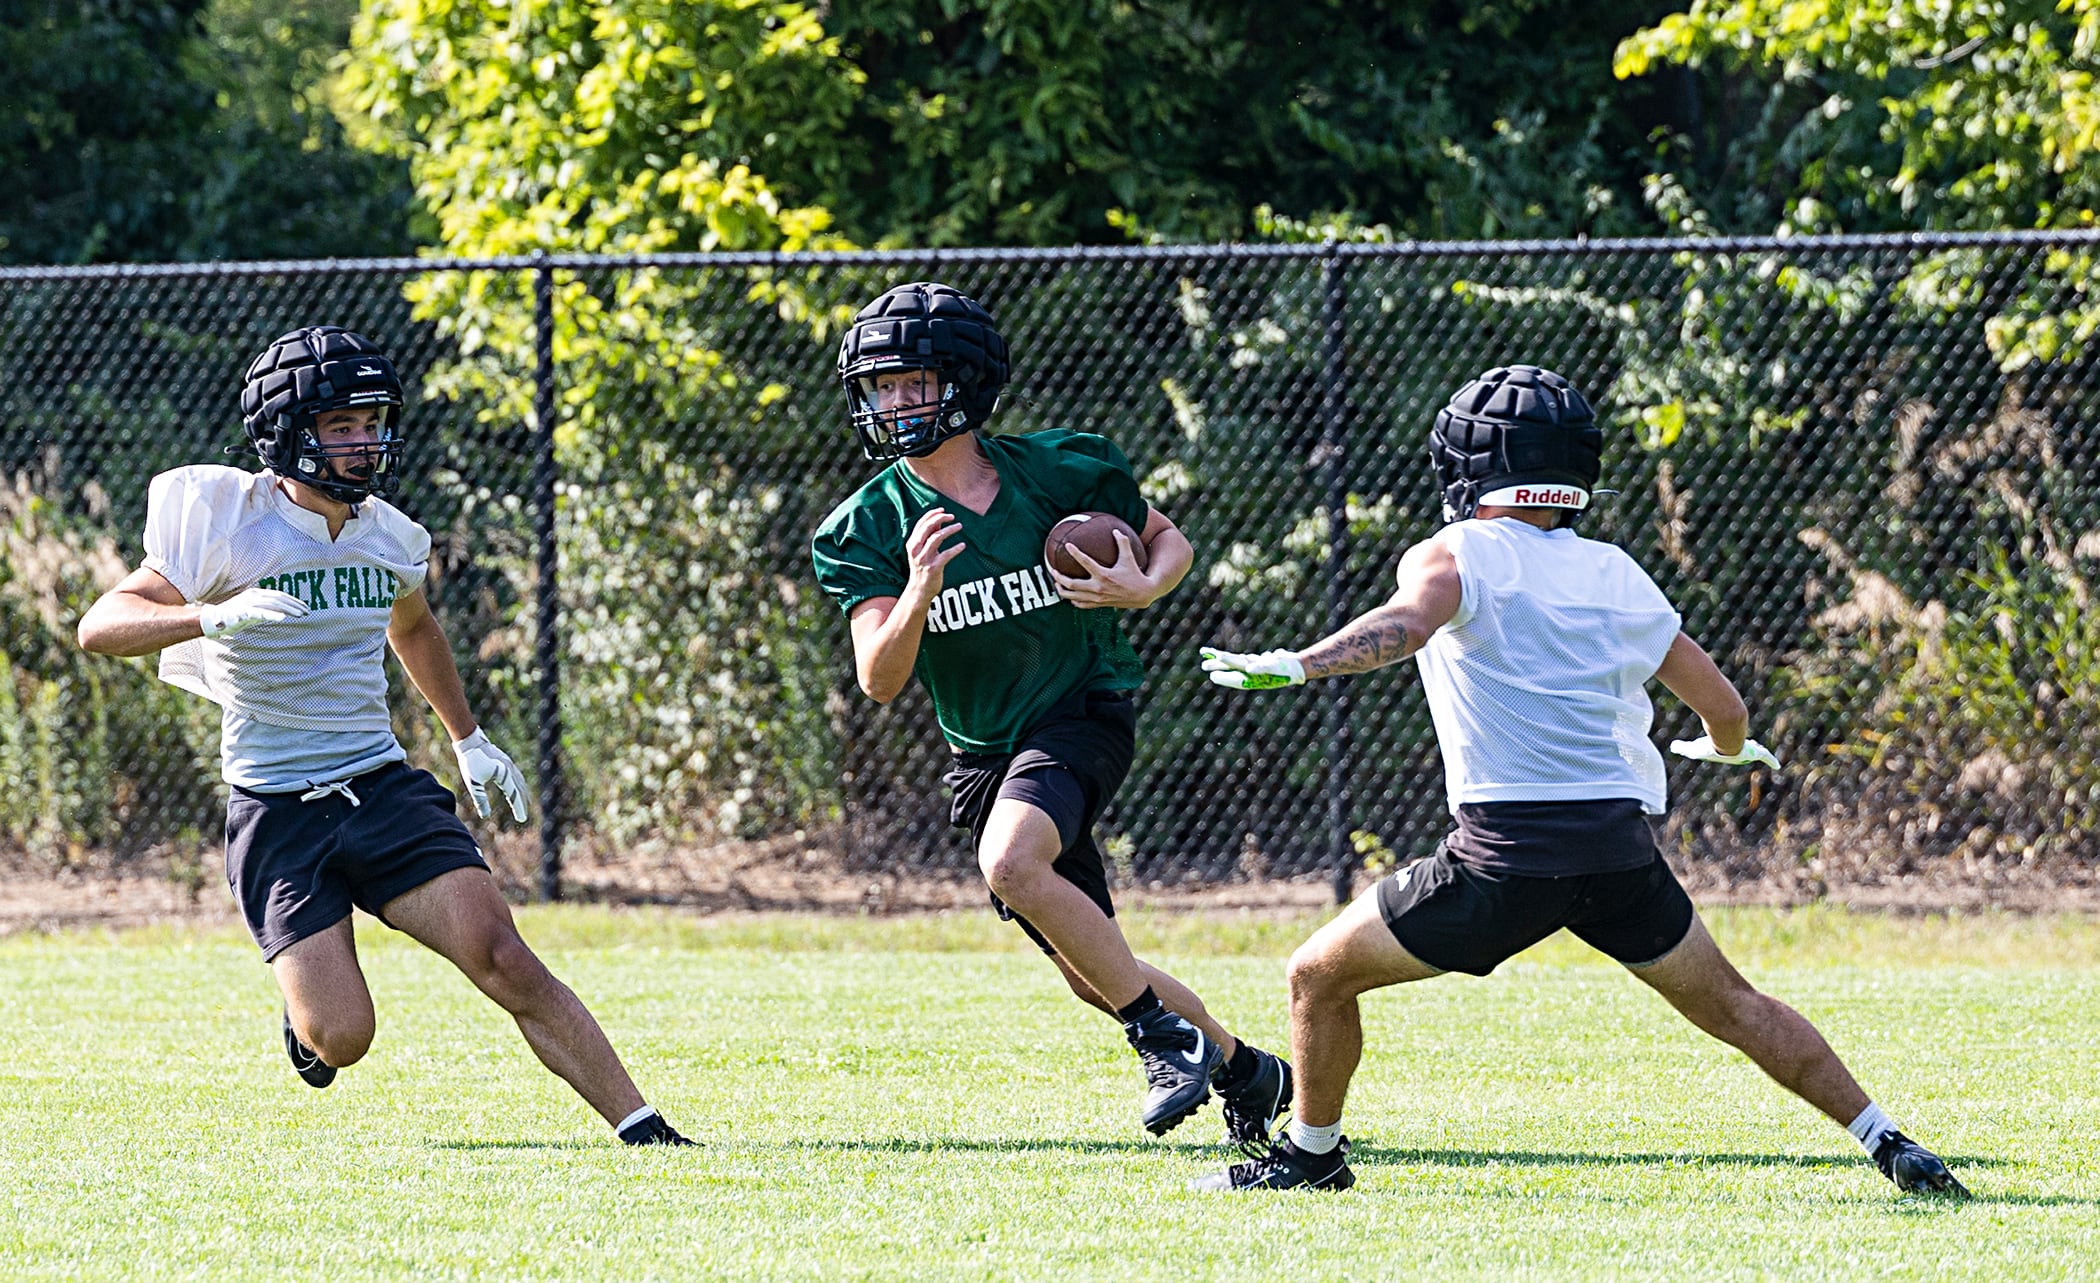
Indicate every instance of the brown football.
{"type": "Point", "coordinates": [1093, 533]}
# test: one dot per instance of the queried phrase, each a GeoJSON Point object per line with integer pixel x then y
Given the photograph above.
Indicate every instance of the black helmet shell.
{"type": "Point", "coordinates": [1518, 436]}
{"type": "Point", "coordinates": [305, 374]}
{"type": "Point", "coordinates": [921, 326]}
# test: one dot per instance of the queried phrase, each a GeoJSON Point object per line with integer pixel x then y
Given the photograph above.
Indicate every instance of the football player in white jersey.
{"type": "Point", "coordinates": [1535, 646]}
{"type": "Point", "coordinates": [275, 594]}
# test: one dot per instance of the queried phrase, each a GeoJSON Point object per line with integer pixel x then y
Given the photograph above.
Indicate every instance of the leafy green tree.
{"type": "Point", "coordinates": [648, 124]}
{"type": "Point", "coordinates": [143, 130]}
{"type": "Point", "coordinates": [1957, 598]}
{"type": "Point", "coordinates": [1488, 120]}
{"type": "Point", "coordinates": [95, 755]}
{"type": "Point", "coordinates": [638, 126]}
{"type": "Point", "coordinates": [1875, 115]}
{"type": "Point", "coordinates": [276, 177]}
{"type": "Point", "coordinates": [95, 122]}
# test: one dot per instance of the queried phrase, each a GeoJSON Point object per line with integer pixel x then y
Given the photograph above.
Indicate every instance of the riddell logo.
{"type": "Point", "coordinates": [1544, 497]}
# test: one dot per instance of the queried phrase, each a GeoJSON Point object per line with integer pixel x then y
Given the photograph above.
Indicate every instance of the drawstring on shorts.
{"type": "Point", "coordinates": [319, 791]}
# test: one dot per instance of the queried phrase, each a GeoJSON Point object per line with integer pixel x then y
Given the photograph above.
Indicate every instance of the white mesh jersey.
{"type": "Point", "coordinates": [304, 700]}
{"type": "Point", "coordinates": [1538, 684]}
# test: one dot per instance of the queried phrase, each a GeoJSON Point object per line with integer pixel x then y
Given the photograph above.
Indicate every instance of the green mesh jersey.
{"type": "Point", "coordinates": [1000, 645]}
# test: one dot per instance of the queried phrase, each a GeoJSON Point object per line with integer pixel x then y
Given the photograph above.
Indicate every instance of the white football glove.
{"type": "Point", "coordinates": [254, 606]}
{"type": "Point", "coordinates": [481, 762]}
{"type": "Point", "coordinates": [1703, 750]}
{"type": "Point", "coordinates": [1266, 671]}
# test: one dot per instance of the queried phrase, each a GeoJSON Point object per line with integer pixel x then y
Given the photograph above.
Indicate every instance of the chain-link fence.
{"type": "Point", "coordinates": [1863, 468]}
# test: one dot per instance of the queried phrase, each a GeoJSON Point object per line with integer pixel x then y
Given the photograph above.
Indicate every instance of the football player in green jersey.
{"type": "Point", "coordinates": [938, 563]}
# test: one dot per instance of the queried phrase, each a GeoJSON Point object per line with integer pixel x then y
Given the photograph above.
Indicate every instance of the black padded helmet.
{"type": "Point", "coordinates": [921, 326]}
{"type": "Point", "coordinates": [303, 375]}
{"type": "Point", "coordinates": [1516, 437]}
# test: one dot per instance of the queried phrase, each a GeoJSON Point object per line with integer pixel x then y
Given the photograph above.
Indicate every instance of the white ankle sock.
{"type": "Point", "coordinates": [633, 1118]}
{"type": "Point", "coordinates": [1315, 1140]}
{"type": "Point", "coordinates": [1870, 1126]}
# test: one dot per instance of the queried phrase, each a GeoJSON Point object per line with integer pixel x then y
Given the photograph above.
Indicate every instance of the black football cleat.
{"type": "Point", "coordinates": [1285, 1166]}
{"type": "Point", "coordinates": [313, 1071]}
{"type": "Point", "coordinates": [1179, 1060]}
{"type": "Point", "coordinates": [1253, 1107]}
{"type": "Point", "coordinates": [1914, 1168]}
{"type": "Point", "coordinates": [653, 1130]}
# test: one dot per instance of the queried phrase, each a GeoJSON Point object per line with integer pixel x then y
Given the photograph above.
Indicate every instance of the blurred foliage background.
{"type": "Point", "coordinates": [1920, 569]}
{"type": "Point", "coordinates": [232, 129]}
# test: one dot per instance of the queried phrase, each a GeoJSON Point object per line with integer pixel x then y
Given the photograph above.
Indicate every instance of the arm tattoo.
{"type": "Point", "coordinates": [1373, 640]}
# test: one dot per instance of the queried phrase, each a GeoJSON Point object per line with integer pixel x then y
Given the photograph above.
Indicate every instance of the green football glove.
{"type": "Point", "coordinates": [1703, 750]}
{"type": "Point", "coordinates": [1266, 671]}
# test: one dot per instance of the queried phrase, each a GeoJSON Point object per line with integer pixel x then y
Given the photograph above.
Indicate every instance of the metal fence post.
{"type": "Point", "coordinates": [1334, 453]}
{"type": "Point", "coordinates": [547, 606]}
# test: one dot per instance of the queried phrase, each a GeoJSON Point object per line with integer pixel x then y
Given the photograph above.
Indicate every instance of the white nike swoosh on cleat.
{"type": "Point", "coordinates": [1196, 1056]}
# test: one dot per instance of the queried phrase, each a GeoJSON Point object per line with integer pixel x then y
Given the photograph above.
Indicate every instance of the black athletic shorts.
{"type": "Point", "coordinates": [1456, 915]}
{"type": "Point", "coordinates": [296, 867]}
{"type": "Point", "coordinates": [1068, 766]}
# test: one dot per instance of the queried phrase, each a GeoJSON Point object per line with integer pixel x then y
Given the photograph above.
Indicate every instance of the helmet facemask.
{"type": "Point", "coordinates": [921, 327]}
{"type": "Point", "coordinates": [905, 430]}
{"type": "Point", "coordinates": [316, 463]}
{"type": "Point", "coordinates": [301, 377]}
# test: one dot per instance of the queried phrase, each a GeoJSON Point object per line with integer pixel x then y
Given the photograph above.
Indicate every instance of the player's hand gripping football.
{"type": "Point", "coordinates": [1266, 671]}
{"type": "Point", "coordinates": [244, 609]}
{"type": "Point", "coordinates": [1122, 585]}
{"type": "Point", "coordinates": [1703, 750]}
{"type": "Point", "coordinates": [482, 763]}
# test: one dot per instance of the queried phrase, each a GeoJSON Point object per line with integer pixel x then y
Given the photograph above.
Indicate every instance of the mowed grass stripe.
{"type": "Point", "coordinates": [919, 1098]}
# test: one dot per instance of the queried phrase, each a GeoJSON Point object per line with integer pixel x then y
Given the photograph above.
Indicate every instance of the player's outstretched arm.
{"type": "Point", "coordinates": [1693, 677]}
{"type": "Point", "coordinates": [1426, 598]}
{"type": "Point", "coordinates": [145, 613]}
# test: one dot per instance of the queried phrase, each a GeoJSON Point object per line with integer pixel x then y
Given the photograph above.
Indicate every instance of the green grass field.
{"type": "Point", "coordinates": [918, 1098]}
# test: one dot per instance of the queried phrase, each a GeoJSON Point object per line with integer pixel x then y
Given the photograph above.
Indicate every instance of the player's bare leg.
{"type": "Point", "coordinates": [462, 916]}
{"type": "Point", "coordinates": [1173, 995]}
{"type": "Point", "coordinates": [1080, 988]}
{"type": "Point", "coordinates": [1254, 1086]}
{"type": "Point", "coordinates": [1706, 988]}
{"type": "Point", "coordinates": [1180, 1053]}
{"type": "Point", "coordinates": [1350, 956]}
{"type": "Point", "coordinates": [1020, 845]}
{"type": "Point", "coordinates": [326, 1002]}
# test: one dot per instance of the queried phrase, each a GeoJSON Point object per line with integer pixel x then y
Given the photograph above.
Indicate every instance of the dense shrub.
{"type": "Point", "coordinates": [97, 757]}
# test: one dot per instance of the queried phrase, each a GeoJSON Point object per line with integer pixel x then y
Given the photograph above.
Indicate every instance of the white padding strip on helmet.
{"type": "Point", "coordinates": [1536, 495]}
